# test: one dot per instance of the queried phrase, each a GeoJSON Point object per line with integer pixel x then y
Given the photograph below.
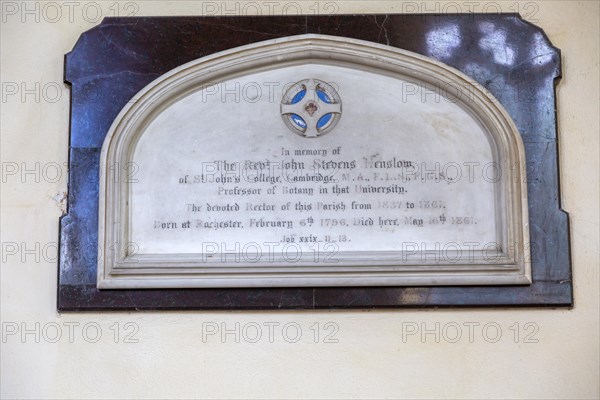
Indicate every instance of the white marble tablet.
{"type": "Point", "coordinates": [313, 161]}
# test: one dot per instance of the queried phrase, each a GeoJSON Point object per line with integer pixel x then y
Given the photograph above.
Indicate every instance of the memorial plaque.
{"type": "Point", "coordinates": [313, 169]}
{"type": "Point", "coordinates": [313, 160]}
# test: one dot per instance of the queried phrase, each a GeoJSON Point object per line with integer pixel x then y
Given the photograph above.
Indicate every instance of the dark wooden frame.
{"type": "Point", "coordinates": [113, 61]}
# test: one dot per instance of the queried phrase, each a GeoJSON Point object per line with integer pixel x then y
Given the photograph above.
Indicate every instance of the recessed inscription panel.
{"type": "Point", "coordinates": [313, 161]}
{"type": "Point", "coordinates": [405, 169]}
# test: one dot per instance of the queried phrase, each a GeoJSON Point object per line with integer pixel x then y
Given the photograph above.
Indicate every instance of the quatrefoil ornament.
{"type": "Point", "coordinates": [311, 108]}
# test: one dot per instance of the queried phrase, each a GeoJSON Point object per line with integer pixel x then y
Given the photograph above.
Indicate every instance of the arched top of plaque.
{"type": "Point", "coordinates": [396, 156]}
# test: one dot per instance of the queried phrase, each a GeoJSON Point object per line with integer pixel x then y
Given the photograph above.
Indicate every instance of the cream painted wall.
{"type": "Point", "coordinates": [372, 356]}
